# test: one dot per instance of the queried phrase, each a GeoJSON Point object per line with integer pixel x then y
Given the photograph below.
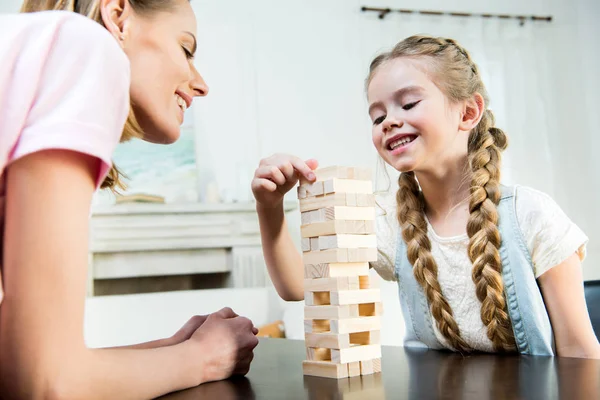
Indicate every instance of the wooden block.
{"type": "Point", "coordinates": [362, 174]}
{"type": "Point", "coordinates": [324, 369]}
{"type": "Point", "coordinates": [351, 200]}
{"type": "Point", "coordinates": [337, 185]}
{"type": "Point", "coordinates": [365, 200]}
{"type": "Point", "coordinates": [354, 325]}
{"type": "Point", "coordinates": [362, 255]}
{"type": "Point", "coordinates": [357, 353]}
{"type": "Point", "coordinates": [337, 227]}
{"type": "Point", "coordinates": [317, 298]}
{"type": "Point", "coordinates": [331, 284]}
{"type": "Point", "coordinates": [305, 244]}
{"type": "Point", "coordinates": [329, 200]}
{"type": "Point", "coordinates": [355, 297]}
{"type": "Point", "coordinates": [346, 213]}
{"type": "Point", "coordinates": [334, 171]}
{"type": "Point", "coordinates": [347, 241]}
{"type": "Point", "coordinates": [314, 244]}
{"type": "Point", "coordinates": [327, 340]}
{"type": "Point", "coordinates": [326, 256]}
{"type": "Point", "coordinates": [366, 282]}
{"type": "Point", "coordinates": [340, 256]}
{"type": "Point", "coordinates": [301, 190]}
{"type": "Point", "coordinates": [332, 270]}
{"type": "Point", "coordinates": [366, 367]}
{"type": "Point", "coordinates": [318, 354]}
{"type": "Point", "coordinates": [338, 213]}
{"type": "Point", "coordinates": [331, 312]}
{"type": "Point", "coordinates": [317, 326]}
{"type": "Point", "coordinates": [370, 309]}
{"type": "Point", "coordinates": [364, 338]}
{"type": "Point", "coordinates": [377, 365]}
{"type": "Point", "coordinates": [313, 189]}
{"type": "Point", "coordinates": [353, 369]}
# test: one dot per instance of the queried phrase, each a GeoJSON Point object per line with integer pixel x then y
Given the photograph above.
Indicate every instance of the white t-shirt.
{"type": "Point", "coordinates": [551, 237]}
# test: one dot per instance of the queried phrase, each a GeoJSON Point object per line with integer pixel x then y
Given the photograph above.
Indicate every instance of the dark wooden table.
{"type": "Point", "coordinates": [276, 373]}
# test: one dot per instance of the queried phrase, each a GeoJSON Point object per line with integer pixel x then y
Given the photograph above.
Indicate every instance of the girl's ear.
{"type": "Point", "coordinates": [116, 16]}
{"type": "Point", "coordinates": [471, 113]}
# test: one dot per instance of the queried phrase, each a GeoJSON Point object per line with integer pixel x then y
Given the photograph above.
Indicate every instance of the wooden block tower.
{"type": "Point", "coordinates": [342, 307]}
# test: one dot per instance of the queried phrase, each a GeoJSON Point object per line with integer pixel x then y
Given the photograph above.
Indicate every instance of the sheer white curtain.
{"type": "Point", "coordinates": [514, 63]}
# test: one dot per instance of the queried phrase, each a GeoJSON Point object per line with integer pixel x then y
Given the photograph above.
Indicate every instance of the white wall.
{"type": "Point", "coordinates": [288, 77]}
{"type": "Point", "coordinates": [10, 6]}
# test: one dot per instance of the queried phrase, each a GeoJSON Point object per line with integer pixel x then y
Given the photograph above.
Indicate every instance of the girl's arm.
{"type": "Point", "coordinates": [562, 288]}
{"type": "Point", "coordinates": [274, 177]}
{"type": "Point", "coordinates": [42, 350]}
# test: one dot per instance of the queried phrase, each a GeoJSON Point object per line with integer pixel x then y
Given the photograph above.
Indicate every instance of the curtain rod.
{"type": "Point", "coordinates": [383, 12]}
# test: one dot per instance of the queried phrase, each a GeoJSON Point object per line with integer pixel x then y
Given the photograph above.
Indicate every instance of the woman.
{"type": "Point", "coordinates": [70, 89]}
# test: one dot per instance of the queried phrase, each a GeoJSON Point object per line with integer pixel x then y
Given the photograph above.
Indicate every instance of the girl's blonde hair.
{"type": "Point", "coordinates": [457, 76]}
{"type": "Point", "coordinates": [91, 9]}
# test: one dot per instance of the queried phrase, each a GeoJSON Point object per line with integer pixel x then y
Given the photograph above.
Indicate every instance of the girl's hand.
{"type": "Point", "coordinates": [277, 174]}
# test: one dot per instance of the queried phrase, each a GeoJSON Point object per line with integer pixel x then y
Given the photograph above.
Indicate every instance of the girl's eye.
{"type": "Point", "coordinates": [410, 105]}
{"type": "Point", "coordinates": [379, 120]}
{"type": "Point", "coordinates": [188, 54]}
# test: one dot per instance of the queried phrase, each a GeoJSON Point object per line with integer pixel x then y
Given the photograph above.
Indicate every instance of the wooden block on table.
{"type": "Point", "coordinates": [305, 244]}
{"type": "Point", "coordinates": [355, 325]}
{"type": "Point", "coordinates": [354, 369]}
{"type": "Point", "coordinates": [347, 241]}
{"type": "Point", "coordinates": [357, 353]}
{"type": "Point", "coordinates": [338, 213]}
{"type": "Point", "coordinates": [366, 367]}
{"type": "Point", "coordinates": [332, 270]}
{"type": "Point", "coordinates": [329, 200]}
{"type": "Point", "coordinates": [331, 284]}
{"type": "Point", "coordinates": [318, 354]}
{"type": "Point", "coordinates": [338, 227]}
{"type": "Point", "coordinates": [355, 296]}
{"type": "Point", "coordinates": [377, 365]}
{"type": "Point", "coordinates": [337, 185]}
{"type": "Point", "coordinates": [340, 256]}
{"type": "Point", "coordinates": [331, 312]}
{"type": "Point", "coordinates": [327, 340]}
{"type": "Point", "coordinates": [325, 369]}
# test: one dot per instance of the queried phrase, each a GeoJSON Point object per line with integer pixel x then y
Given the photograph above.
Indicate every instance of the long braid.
{"type": "Point", "coordinates": [482, 228]}
{"type": "Point", "coordinates": [458, 77]}
{"type": "Point", "coordinates": [414, 232]}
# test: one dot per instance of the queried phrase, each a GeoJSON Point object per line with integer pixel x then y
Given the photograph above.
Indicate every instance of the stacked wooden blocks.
{"type": "Point", "coordinates": [342, 307]}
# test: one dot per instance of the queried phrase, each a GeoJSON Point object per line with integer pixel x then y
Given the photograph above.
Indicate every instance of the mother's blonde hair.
{"type": "Point", "coordinates": [91, 9]}
{"type": "Point", "coordinates": [457, 76]}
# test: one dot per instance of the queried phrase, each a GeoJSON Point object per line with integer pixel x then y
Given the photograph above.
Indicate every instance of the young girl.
{"type": "Point", "coordinates": [480, 266]}
{"type": "Point", "coordinates": [70, 88]}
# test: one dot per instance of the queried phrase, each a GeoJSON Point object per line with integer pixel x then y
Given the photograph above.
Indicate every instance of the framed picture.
{"type": "Point", "coordinates": [157, 173]}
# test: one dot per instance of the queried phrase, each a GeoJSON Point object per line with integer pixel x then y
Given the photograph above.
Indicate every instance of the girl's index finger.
{"type": "Point", "coordinates": [305, 172]}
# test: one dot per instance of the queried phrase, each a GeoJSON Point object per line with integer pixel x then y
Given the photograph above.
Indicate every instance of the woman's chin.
{"type": "Point", "coordinates": [161, 133]}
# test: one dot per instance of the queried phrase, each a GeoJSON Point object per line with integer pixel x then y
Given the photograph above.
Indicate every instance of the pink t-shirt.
{"type": "Point", "coordinates": [64, 84]}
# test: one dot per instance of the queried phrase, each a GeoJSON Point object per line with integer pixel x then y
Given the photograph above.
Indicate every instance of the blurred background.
{"type": "Point", "coordinates": [288, 76]}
